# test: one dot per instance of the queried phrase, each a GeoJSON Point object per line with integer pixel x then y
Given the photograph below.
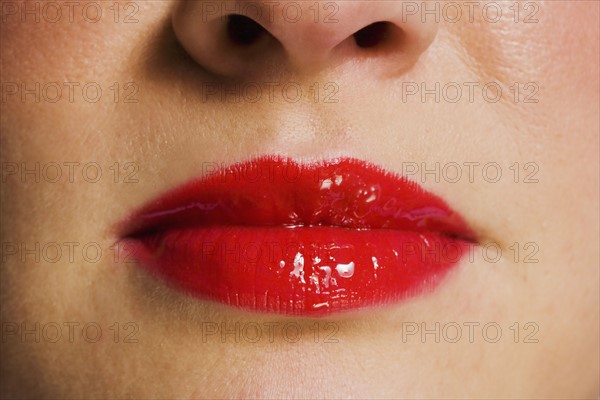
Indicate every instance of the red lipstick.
{"type": "Point", "coordinates": [274, 235]}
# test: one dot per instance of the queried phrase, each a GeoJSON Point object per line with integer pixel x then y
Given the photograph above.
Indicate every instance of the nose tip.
{"type": "Point", "coordinates": [234, 38]}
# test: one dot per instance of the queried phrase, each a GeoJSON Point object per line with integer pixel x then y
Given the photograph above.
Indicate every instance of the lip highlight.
{"type": "Point", "coordinates": [274, 235]}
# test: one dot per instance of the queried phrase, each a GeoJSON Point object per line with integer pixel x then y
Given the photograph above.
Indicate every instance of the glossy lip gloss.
{"type": "Point", "coordinates": [274, 235]}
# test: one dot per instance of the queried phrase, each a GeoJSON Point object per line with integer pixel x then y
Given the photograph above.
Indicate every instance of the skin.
{"type": "Point", "coordinates": [171, 131]}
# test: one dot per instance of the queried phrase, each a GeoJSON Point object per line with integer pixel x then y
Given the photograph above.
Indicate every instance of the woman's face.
{"type": "Point", "coordinates": [108, 105]}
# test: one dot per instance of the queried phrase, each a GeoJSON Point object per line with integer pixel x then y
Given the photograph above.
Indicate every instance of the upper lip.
{"type": "Point", "coordinates": [281, 192]}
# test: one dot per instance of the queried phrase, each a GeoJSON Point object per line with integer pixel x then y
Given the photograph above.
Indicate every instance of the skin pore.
{"type": "Point", "coordinates": [175, 128]}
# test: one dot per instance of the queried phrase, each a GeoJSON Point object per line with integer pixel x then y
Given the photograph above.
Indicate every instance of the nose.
{"type": "Point", "coordinates": [236, 38]}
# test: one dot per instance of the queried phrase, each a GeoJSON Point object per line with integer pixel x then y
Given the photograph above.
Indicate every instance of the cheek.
{"type": "Point", "coordinates": [558, 53]}
{"type": "Point", "coordinates": [73, 60]}
{"type": "Point", "coordinates": [91, 40]}
{"type": "Point", "coordinates": [552, 42]}
{"type": "Point", "coordinates": [569, 76]}
{"type": "Point", "coordinates": [64, 50]}
{"type": "Point", "coordinates": [571, 46]}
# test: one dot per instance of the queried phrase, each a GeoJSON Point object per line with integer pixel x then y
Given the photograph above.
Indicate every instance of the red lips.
{"type": "Point", "coordinates": [273, 235]}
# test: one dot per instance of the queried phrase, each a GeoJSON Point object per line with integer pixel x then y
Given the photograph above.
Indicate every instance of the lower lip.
{"type": "Point", "coordinates": [312, 271]}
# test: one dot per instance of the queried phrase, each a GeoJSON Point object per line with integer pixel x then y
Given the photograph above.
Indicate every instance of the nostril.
{"type": "Point", "coordinates": [373, 35]}
{"type": "Point", "coordinates": [243, 30]}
